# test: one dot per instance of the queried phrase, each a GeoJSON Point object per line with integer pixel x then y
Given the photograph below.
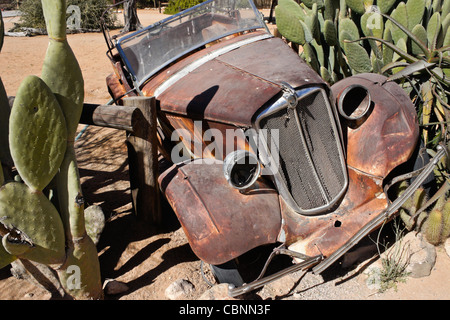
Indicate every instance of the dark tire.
{"type": "Point", "coordinates": [227, 273]}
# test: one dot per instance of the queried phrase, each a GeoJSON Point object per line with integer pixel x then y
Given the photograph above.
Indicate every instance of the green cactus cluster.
{"type": "Point", "coordinates": [435, 224]}
{"type": "Point", "coordinates": [42, 212]}
{"type": "Point", "coordinates": [340, 38]}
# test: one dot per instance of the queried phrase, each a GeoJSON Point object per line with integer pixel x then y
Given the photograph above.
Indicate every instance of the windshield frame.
{"type": "Point", "coordinates": [140, 78]}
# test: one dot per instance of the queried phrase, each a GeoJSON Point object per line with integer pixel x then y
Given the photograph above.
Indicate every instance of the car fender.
{"type": "Point", "coordinates": [220, 222]}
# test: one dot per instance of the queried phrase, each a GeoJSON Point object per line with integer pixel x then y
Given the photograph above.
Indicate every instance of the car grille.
{"type": "Point", "coordinates": [311, 166]}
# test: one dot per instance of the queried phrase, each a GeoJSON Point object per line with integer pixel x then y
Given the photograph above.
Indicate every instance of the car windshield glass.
{"type": "Point", "coordinates": [147, 51]}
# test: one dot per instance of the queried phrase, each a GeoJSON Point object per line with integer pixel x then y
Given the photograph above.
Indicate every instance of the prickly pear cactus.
{"type": "Point", "coordinates": [37, 133]}
{"type": "Point", "coordinates": [63, 75]}
{"type": "Point", "coordinates": [42, 126]}
{"type": "Point", "coordinates": [35, 230]}
{"type": "Point", "coordinates": [368, 41]}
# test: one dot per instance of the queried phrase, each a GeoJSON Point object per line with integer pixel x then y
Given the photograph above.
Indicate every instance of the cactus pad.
{"type": "Point", "coordinates": [5, 257]}
{"type": "Point", "coordinates": [421, 34]}
{"type": "Point", "coordinates": [356, 5]}
{"type": "Point", "coordinates": [37, 133]}
{"type": "Point", "coordinates": [32, 221]}
{"type": "Point", "coordinates": [289, 14]}
{"type": "Point", "coordinates": [330, 33]}
{"type": "Point", "coordinates": [433, 29]}
{"type": "Point", "coordinates": [415, 10]}
{"type": "Point", "coordinates": [350, 29]}
{"type": "Point", "coordinates": [358, 58]}
{"type": "Point", "coordinates": [55, 18]}
{"type": "Point", "coordinates": [388, 54]}
{"type": "Point", "coordinates": [401, 16]}
{"type": "Point", "coordinates": [83, 257]}
{"type": "Point", "coordinates": [62, 73]}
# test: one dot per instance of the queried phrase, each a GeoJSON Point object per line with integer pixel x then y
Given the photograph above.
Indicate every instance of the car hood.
{"type": "Point", "coordinates": [230, 86]}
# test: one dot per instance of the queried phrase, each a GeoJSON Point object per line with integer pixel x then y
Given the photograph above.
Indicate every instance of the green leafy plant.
{"type": "Point", "coordinates": [42, 212]}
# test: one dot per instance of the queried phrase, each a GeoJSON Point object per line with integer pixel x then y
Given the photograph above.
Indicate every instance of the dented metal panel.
{"type": "Point", "coordinates": [324, 234]}
{"type": "Point", "coordinates": [290, 69]}
{"type": "Point", "coordinates": [389, 135]}
{"type": "Point", "coordinates": [220, 222]}
{"type": "Point", "coordinates": [215, 91]}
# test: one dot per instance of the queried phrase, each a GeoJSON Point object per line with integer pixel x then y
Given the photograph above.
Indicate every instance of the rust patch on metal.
{"type": "Point", "coordinates": [215, 91]}
{"type": "Point", "coordinates": [324, 234]}
{"type": "Point", "coordinates": [220, 222]}
{"type": "Point", "coordinates": [290, 68]}
{"type": "Point", "coordinates": [389, 136]}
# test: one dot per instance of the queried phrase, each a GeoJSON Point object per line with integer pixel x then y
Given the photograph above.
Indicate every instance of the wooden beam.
{"type": "Point", "coordinates": [143, 162]}
{"type": "Point", "coordinates": [113, 116]}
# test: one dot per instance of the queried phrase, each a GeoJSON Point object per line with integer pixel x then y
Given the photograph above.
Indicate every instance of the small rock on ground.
{"type": "Point", "coordinates": [217, 292]}
{"type": "Point", "coordinates": [113, 287]}
{"type": "Point", "coordinates": [179, 289]}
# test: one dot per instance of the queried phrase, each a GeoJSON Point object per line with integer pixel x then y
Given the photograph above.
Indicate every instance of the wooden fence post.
{"type": "Point", "coordinates": [143, 162]}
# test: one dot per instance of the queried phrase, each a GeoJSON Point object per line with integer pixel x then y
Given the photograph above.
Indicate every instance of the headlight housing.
{"type": "Point", "coordinates": [241, 169]}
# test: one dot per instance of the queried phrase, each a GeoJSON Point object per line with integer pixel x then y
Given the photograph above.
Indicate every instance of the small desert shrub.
{"type": "Point", "coordinates": [91, 11]}
{"type": "Point", "coordinates": [394, 261]}
{"type": "Point", "coordinates": [176, 6]}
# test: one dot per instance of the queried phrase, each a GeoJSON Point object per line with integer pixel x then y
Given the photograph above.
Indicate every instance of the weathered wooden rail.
{"type": "Point", "coordinates": [138, 118]}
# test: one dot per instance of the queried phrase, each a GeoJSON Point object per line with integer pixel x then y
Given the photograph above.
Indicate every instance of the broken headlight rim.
{"type": "Point", "coordinates": [355, 105]}
{"type": "Point", "coordinates": [241, 169]}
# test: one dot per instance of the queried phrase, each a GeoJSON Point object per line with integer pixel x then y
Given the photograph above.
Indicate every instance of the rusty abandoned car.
{"type": "Point", "coordinates": [263, 151]}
